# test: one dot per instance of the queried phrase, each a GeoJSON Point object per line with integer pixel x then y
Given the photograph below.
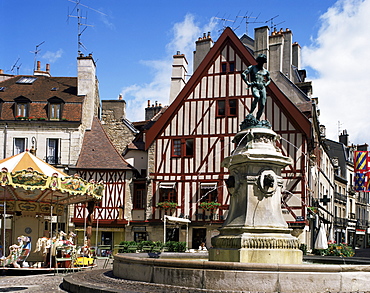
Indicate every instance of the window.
{"type": "Point", "coordinates": [55, 108]}
{"type": "Point", "coordinates": [183, 147]}
{"type": "Point", "coordinates": [167, 192]}
{"type": "Point", "coordinates": [139, 196]}
{"type": "Point", "coordinates": [52, 155]}
{"type": "Point", "coordinates": [54, 111]}
{"type": "Point", "coordinates": [227, 67]}
{"type": "Point", "coordinates": [19, 145]}
{"type": "Point", "coordinates": [26, 80]}
{"type": "Point", "coordinates": [208, 192]}
{"type": "Point", "coordinates": [22, 110]}
{"type": "Point", "coordinates": [189, 147]}
{"type": "Point", "coordinates": [177, 148]}
{"type": "Point", "coordinates": [21, 107]}
{"type": "Point", "coordinates": [221, 109]}
{"type": "Point", "coordinates": [227, 107]}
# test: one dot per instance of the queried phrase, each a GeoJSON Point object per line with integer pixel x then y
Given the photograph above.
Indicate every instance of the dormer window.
{"type": "Point", "coordinates": [21, 107]}
{"type": "Point", "coordinates": [55, 108]}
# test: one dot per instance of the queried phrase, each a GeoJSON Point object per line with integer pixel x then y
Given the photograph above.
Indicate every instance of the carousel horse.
{"type": "Point", "coordinates": [42, 245]}
{"type": "Point", "coordinates": [18, 253]}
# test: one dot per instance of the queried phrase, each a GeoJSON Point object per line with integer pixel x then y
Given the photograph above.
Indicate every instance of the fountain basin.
{"type": "Point", "coordinates": [184, 269]}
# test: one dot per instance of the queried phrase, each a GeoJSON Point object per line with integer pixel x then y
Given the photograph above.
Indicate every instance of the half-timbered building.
{"type": "Point", "coordinates": [99, 161]}
{"type": "Point", "coordinates": [188, 142]}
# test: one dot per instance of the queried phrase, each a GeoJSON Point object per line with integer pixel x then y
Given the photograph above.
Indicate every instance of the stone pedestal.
{"type": "Point", "coordinates": [255, 230]}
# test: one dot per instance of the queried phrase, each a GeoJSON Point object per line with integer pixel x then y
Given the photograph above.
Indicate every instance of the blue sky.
{"type": "Point", "coordinates": [133, 43]}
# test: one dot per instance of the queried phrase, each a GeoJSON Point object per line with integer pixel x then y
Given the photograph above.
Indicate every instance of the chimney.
{"type": "Point", "coordinates": [261, 41]}
{"type": "Point", "coordinates": [117, 108]}
{"type": "Point", "coordinates": [87, 86]}
{"type": "Point", "coordinates": [287, 53]}
{"type": "Point", "coordinates": [275, 59]}
{"type": "Point", "coordinates": [179, 71]}
{"type": "Point", "coordinates": [202, 47]}
{"type": "Point", "coordinates": [152, 110]}
{"type": "Point", "coordinates": [343, 137]}
{"type": "Point", "coordinates": [38, 70]}
{"type": "Point", "coordinates": [296, 55]}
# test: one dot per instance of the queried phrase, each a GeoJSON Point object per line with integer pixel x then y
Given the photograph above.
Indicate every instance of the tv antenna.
{"type": "Point", "coordinates": [37, 50]}
{"type": "Point", "coordinates": [272, 24]}
{"type": "Point", "coordinates": [247, 22]}
{"type": "Point", "coordinates": [224, 20]}
{"type": "Point", "coordinates": [15, 66]}
{"type": "Point", "coordinates": [79, 21]}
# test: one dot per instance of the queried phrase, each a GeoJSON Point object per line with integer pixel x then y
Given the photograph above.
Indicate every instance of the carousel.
{"type": "Point", "coordinates": [34, 200]}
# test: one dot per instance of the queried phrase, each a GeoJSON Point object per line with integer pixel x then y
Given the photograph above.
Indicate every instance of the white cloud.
{"type": "Point", "coordinates": [52, 57]}
{"type": "Point", "coordinates": [185, 34]}
{"type": "Point", "coordinates": [341, 59]}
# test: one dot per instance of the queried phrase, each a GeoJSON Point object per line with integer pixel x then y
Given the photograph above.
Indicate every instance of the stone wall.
{"type": "Point", "coordinates": [117, 131]}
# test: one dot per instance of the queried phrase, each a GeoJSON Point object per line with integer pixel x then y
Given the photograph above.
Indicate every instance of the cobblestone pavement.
{"type": "Point", "coordinates": [40, 283]}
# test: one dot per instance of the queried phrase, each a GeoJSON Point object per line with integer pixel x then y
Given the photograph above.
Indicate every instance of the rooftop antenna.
{"type": "Point", "coordinates": [15, 66]}
{"type": "Point", "coordinates": [37, 50]}
{"type": "Point", "coordinates": [247, 22]}
{"type": "Point", "coordinates": [79, 21]}
{"type": "Point", "coordinates": [272, 24]}
{"type": "Point", "coordinates": [339, 127]}
{"type": "Point", "coordinates": [224, 22]}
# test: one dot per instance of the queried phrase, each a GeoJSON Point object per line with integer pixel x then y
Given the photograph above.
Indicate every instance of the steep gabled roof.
{"type": "Point", "coordinates": [228, 36]}
{"type": "Point", "coordinates": [98, 152]}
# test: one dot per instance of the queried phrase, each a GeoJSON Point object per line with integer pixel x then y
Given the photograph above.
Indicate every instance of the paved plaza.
{"type": "Point", "coordinates": [100, 280]}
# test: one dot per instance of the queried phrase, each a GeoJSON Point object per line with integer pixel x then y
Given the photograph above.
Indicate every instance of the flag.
{"type": "Point", "coordinates": [360, 181]}
{"type": "Point", "coordinates": [361, 161]}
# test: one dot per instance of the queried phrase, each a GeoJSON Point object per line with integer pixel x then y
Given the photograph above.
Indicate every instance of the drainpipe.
{"type": "Point", "coordinates": [5, 138]}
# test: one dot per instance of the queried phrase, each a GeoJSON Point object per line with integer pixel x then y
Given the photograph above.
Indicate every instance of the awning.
{"type": "Point", "coordinates": [168, 185]}
{"type": "Point", "coordinates": [207, 185]}
{"type": "Point", "coordinates": [176, 219]}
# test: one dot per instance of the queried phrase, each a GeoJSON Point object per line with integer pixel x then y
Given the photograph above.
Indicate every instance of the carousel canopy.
{"type": "Point", "coordinates": [29, 184]}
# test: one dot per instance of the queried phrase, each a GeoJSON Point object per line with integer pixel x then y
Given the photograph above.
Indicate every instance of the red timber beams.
{"type": "Point", "coordinates": [298, 119]}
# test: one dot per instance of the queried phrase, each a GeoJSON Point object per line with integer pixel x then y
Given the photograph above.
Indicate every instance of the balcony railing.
{"type": "Point", "coordinates": [362, 224]}
{"type": "Point", "coordinates": [340, 196]}
{"type": "Point", "coordinates": [340, 222]}
{"type": "Point", "coordinates": [53, 160]}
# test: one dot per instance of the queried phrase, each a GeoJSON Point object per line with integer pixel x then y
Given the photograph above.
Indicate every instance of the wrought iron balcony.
{"type": "Point", "coordinates": [340, 222]}
{"type": "Point", "coordinates": [340, 196]}
{"type": "Point", "coordinates": [53, 160]}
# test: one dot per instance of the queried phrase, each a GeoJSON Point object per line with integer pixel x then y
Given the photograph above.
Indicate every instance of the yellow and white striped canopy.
{"type": "Point", "coordinates": [26, 160]}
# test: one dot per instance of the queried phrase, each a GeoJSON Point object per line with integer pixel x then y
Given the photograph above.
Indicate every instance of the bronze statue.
{"type": "Point", "coordinates": [259, 80]}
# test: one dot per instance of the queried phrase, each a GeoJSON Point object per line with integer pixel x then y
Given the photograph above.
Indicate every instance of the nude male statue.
{"type": "Point", "coordinates": [259, 80]}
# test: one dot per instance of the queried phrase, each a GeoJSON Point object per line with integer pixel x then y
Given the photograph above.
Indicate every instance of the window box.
{"type": "Point", "coordinates": [209, 206]}
{"type": "Point", "coordinates": [167, 205]}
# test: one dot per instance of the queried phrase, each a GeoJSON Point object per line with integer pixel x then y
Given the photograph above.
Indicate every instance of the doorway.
{"type": "Point", "coordinates": [199, 236]}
